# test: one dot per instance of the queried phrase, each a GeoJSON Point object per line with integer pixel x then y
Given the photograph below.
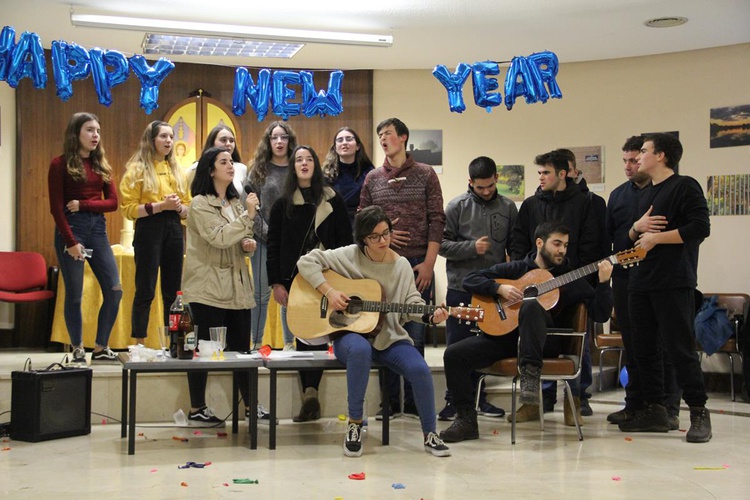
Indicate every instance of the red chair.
{"type": "Point", "coordinates": [24, 277]}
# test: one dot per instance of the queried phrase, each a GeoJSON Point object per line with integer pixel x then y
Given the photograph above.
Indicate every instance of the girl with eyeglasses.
{"type": "Point", "coordinates": [268, 170]}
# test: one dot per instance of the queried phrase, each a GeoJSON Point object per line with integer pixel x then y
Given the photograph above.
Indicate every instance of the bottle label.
{"type": "Point", "coordinates": [174, 321]}
{"type": "Point", "coordinates": [190, 341]}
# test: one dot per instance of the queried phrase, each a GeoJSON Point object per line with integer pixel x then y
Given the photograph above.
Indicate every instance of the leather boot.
{"type": "Point", "coordinates": [526, 413]}
{"type": "Point", "coordinates": [464, 427]}
{"type": "Point", "coordinates": [569, 420]}
{"type": "Point", "coordinates": [310, 406]}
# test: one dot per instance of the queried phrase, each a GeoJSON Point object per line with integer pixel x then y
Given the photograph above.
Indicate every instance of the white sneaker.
{"type": "Point", "coordinates": [289, 346]}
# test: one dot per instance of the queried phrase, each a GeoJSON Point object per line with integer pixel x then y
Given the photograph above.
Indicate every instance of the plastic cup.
{"type": "Point", "coordinates": [164, 338]}
{"type": "Point", "coordinates": [219, 335]}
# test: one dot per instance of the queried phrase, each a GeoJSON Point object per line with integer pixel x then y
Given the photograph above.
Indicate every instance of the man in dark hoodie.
{"type": "Point", "coordinates": [460, 359]}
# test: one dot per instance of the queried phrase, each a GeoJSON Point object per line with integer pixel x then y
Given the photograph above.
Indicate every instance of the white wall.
{"type": "Point", "coordinates": [603, 103]}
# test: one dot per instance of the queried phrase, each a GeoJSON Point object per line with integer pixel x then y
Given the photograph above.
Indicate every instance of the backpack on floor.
{"type": "Point", "coordinates": [712, 326]}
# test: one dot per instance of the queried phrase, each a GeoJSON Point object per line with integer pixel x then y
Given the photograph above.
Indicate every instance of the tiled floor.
{"type": "Point", "coordinates": [308, 462]}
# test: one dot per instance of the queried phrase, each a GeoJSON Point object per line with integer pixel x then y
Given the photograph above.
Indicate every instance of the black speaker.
{"type": "Point", "coordinates": [50, 404]}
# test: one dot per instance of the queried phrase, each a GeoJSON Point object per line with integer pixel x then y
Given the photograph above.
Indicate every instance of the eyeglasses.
{"type": "Point", "coordinates": [375, 238]}
{"type": "Point", "coordinates": [348, 138]}
{"type": "Point", "coordinates": [284, 138]}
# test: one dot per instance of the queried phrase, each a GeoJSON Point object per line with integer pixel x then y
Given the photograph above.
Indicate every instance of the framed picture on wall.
{"type": "Point", "coordinates": [730, 126]}
{"type": "Point", "coordinates": [426, 146]}
{"type": "Point", "coordinates": [511, 181]}
{"type": "Point", "coordinates": [590, 161]}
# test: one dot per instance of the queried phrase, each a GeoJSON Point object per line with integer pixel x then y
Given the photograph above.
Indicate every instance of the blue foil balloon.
{"type": "Point", "coordinates": [28, 61]}
{"type": "Point", "coordinates": [520, 81]}
{"type": "Point", "coordinates": [104, 80]}
{"type": "Point", "coordinates": [324, 102]}
{"type": "Point", "coordinates": [7, 44]}
{"type": "Point", "coordinates": [483, 86]}
{"type": "Point", "coordinates": [70, 62]}
{"type": "Point", "coordinates": [453, 83]}
{"type": "Point", "coordinates": [246, 90]}
{"type": "Point", "coordinates": [282, 94]}
{"type": "Point", "coordinates": [546, 66]}
{"type": "Point", "coordinates": [151, 78]}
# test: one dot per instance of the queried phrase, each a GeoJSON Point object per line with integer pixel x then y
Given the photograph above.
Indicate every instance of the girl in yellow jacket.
{"type": "Point", "coordinates": [154, 193]}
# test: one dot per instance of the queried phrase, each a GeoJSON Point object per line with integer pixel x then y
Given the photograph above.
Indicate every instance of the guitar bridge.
{"type": "Point", "coordinates": [323, 307]}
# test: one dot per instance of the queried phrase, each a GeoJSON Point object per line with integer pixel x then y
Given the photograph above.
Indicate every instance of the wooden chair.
{"type": "Point", "coordinates": [24, 277]}
{"type": "Point", "coordinates": [736, 305]}
{"type": "Point", "coordinates": [607, 342]}
{"type": "Point", "coordinates": [564, 368]}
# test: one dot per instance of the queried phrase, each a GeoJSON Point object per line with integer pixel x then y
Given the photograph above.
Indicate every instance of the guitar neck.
{"type": "Point", "coordinates": [566, 278]}
{"type": "Point", "coordinates": [393, 307]}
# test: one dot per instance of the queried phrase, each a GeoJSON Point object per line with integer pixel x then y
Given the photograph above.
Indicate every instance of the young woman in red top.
{"type": "Point", "coordinates": [81, 189]}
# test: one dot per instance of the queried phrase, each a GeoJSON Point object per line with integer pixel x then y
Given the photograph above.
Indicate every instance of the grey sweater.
{"type": "Point", "coordinates": [396, 279]}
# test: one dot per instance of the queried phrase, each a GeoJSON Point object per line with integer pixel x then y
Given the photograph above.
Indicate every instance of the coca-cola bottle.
{"type": "Point", "coordinates": [175, 314]}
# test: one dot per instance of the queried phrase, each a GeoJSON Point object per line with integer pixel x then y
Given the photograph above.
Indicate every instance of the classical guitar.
{"type": "Point", "coordinates": [501, 316]}
{"type": "Point", "coordinates": [309, 316]}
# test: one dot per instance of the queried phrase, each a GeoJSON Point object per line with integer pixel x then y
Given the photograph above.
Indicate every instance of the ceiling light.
{"type": "Point", "coordinates": [666, 22]}
{"type": "Point", "coordinates": [187, 28]}
{"type": "Point", "coordinates": [175, 45]}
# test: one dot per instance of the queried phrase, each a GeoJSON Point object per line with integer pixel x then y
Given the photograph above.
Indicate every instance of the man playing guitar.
{"type": "Point", "coordinates": [461, 358]}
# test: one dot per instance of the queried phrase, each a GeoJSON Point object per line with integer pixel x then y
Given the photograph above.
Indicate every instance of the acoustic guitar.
{"type": "Point", "coordinates": [501, 316]}
{"type": "Point", "coordinates": [309, 316]}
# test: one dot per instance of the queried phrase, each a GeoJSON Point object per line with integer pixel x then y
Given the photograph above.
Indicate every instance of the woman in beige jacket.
{"type": "Point", "coordinates": [216, 282]}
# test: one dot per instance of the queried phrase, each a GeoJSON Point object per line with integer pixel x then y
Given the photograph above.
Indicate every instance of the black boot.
{"type": "Point", "coordinates": [652, 418]}
{"type": "Point", "coordinates": [700, 426]}
{"type": "Point", "coordinates": [464, 427]}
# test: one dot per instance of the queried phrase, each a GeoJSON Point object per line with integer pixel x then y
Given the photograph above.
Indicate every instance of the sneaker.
{"type": "Point", "coordinates": [434, 445]}
{"type": "Point", "coordinates": [674, 423]}
{"type": "Point", "coordinates": [264, 416]}
{"type": "Point", "coordinates": [700, 426]}
{"type": "Point", "coordinates": [204, 418]}
{"type": "Point", "coordinates": [586, 410]}
{"type": "Point", "coordinates": [489, 410]}
{"type": "Point", "coordinates": [530, 376]}
{"type": "Point", "coordinates": [79, 356]}
{"type": "Point", "coordinates": [410, 410]}
{"type": "Point", "coordinates": [621, 416]}
{"type": "Point", "coordinates": [448, 413]}
{"type": "Point", "coordinates": [353, 440]}
{"type": "Point", "coordinates": [463, 428]}
{"type": "Point", "coordinates": [289, 346]}
{"type": "Point", "coordinates": [391, 415]}
{"type": "Point", "coordinates": [106, 355]}
{"type": "Point", "coordinates": [652, 418]}
{"type": "Point", "coordinates": [526, 413]}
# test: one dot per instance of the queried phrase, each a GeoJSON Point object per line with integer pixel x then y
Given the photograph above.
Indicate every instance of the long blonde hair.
{"type": "Point", "coordinates": [72, 150]}
{"type": "Point", "coordinates": [140, 166]}
{"type": "Point", "coordinates": [263, 155]}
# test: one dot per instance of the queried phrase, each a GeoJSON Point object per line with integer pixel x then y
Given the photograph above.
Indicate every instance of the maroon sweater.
{"type": "Point", "coordinates": [94, 195]}
{"type": "Point", "coordinates": [416, 201]}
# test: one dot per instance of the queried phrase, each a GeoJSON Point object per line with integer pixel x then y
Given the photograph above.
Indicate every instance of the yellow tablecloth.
{"type": "Point", "coordinates": [120, 337]}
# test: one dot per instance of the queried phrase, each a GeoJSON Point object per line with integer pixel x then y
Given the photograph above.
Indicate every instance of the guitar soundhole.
{"type": "Point", "coordinates": [342, 319]}
{"type": "Point", "coordinates": [531, 291]}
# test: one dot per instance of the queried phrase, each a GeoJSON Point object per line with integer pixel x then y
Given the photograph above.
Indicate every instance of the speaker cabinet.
{"type": "Point", "coordinates": [50, 404]}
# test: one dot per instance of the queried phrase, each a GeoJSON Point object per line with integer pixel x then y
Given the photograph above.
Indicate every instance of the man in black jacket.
{"type": "Point", "coordinates": [462, 358]}
{"type": "Point", "coordinates": [671, 222]}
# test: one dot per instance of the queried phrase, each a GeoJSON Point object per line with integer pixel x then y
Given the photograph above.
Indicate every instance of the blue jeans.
{"type": "Point", "coordinates": [288, 335]}
{"type": "Point", "coordinates": [262, 291]}
{"type": "Point", "coordinates": [90, 229]}
{"type": "Point", "coordinates": [357, 354]}
{"type": "Point", "coordinates": [415, 329]}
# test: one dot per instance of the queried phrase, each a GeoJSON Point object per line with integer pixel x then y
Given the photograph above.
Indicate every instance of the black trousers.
{"type": "Point", "coordinates": [462, 358]}
{"type": "Point", "coordinates": [158, 245]}
{"type": "Point", "coordinates": [237, 322]}
{"type": "Point", "coordinates": [633, 395]}
{"type": "Point", "coordinates": [665, 318]}
{"type": "Point", "coordinates": [310, 378]}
